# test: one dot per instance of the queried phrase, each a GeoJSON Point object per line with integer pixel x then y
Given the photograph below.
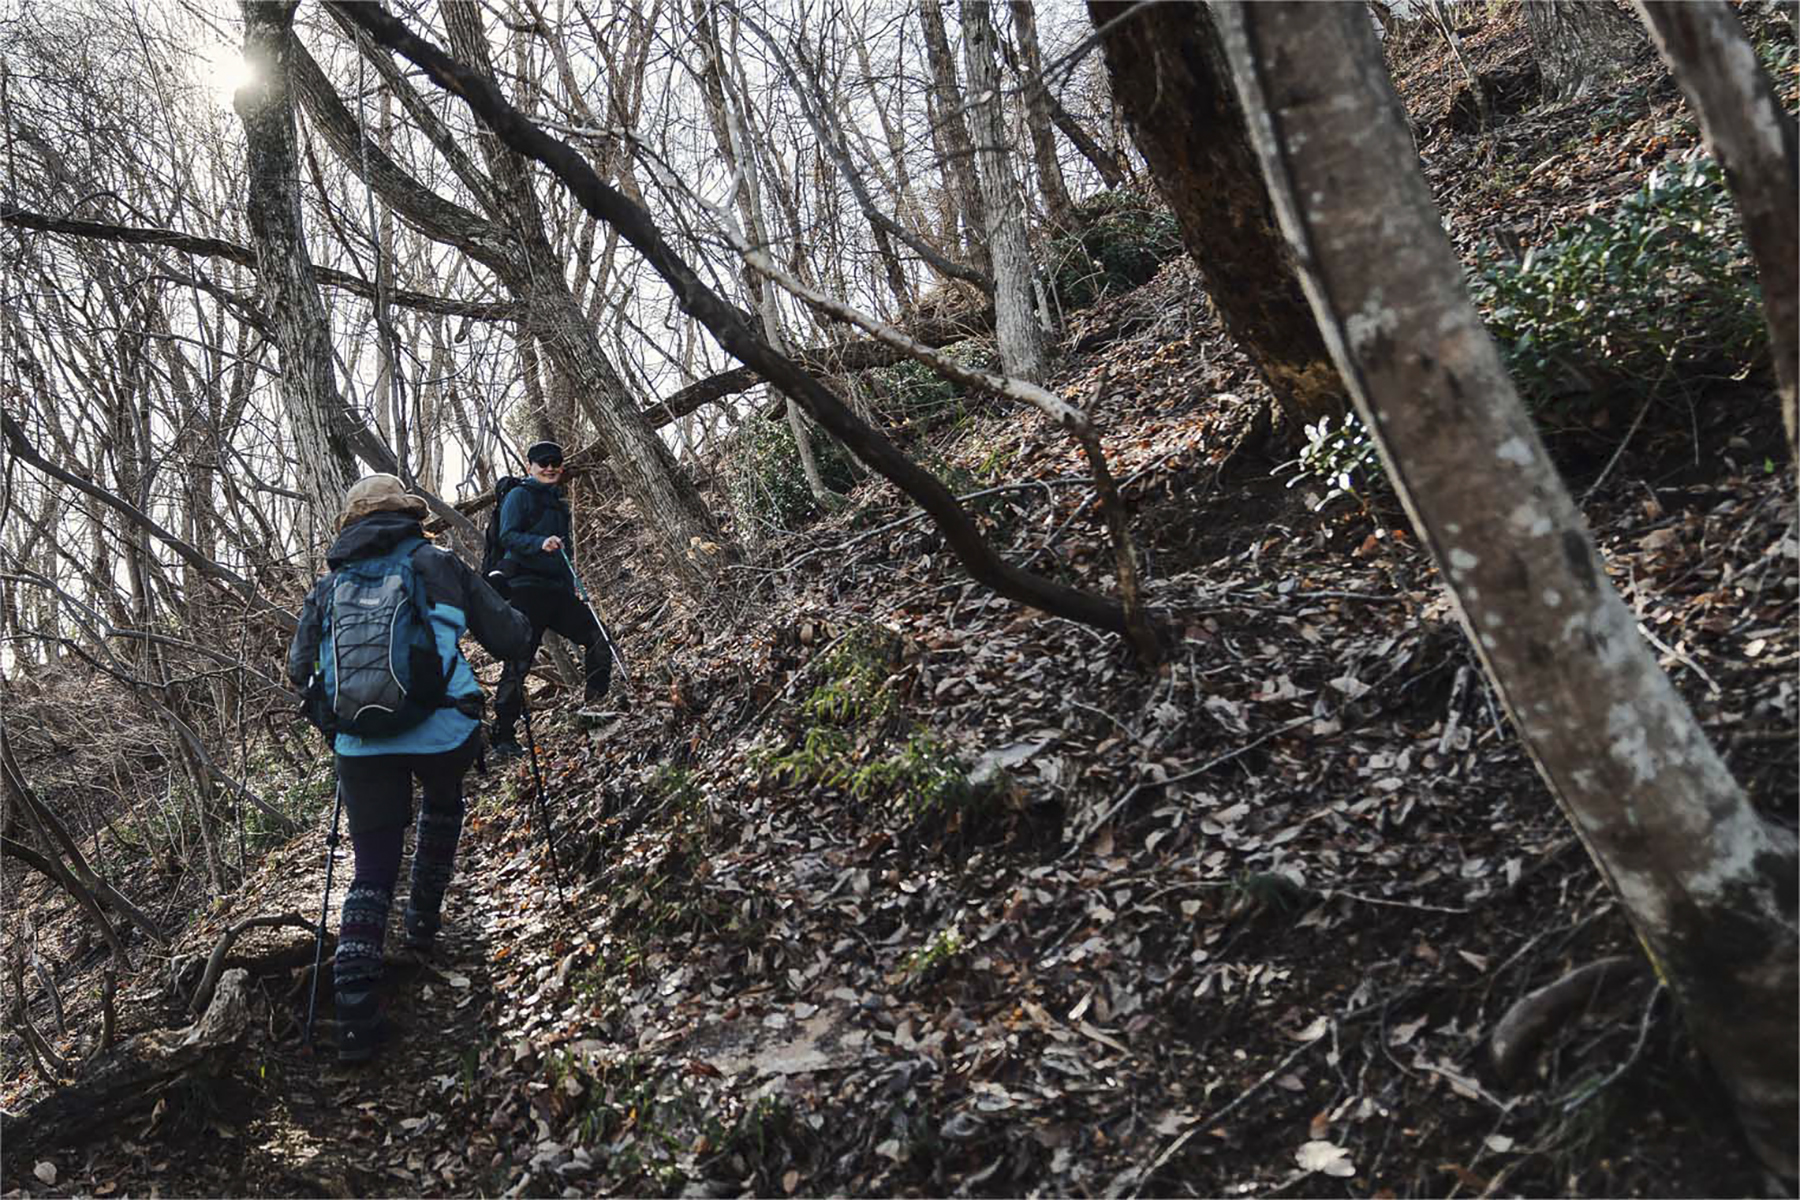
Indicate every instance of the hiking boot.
{"type": "Point", "coordinates": [361, 1027]}
{"type": "Point", "coordinates": [505, 751]}
{"type": "Point", "coordinates": [421, 931]}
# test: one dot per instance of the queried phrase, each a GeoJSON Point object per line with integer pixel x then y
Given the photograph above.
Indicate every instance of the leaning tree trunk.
{"type": "Point", "coordinates": [1169, 74]}
{"type": "Point", "coordinates": [1037, 115]}
{"type": "Point", "coordinates": [1708, 885]}
{"type": "Point", "coordinates": [733, 330]}
{"type": "Point", "coordinates": [1016, 328]}
{"type": "Point", "coordinates": [1747, 130]}
{"type": "Point", "coordinates": [284, 271]}
{"type": "Point", "coordinates": [1580, 44]}
{"type": "Point", "coordinates": [959, 153]}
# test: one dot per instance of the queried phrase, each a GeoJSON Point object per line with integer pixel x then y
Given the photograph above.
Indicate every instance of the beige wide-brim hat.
{"type": "Point", "coordinates": [380, 493]}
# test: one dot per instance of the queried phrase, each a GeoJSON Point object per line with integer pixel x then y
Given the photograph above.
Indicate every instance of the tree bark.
{"type": "Point", "coordinates": [953, 129]}
{"type": "Point", "coordinates": [1169, 74]}
{"type": "Point", "coordinates": [1708, 885]}
{"type": "Point", "coordinates": [1753, 138]}
{"type": "Point", "coordinates": [1037, 115]}
{"type": "Point", "coordinates": [1108, 166]}
{"type": "Point", "coordinates": [1020, 337]}
{"type": "Point", "coordinates": [1580, 44]}
{"type": "Point", "coordinates": [283, 267]}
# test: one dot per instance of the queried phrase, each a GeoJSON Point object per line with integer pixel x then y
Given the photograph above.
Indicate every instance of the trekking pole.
{"type": "Point", "coordinates": [331, 845]}
{"type": "Point", "coordinates": [543, 804]}
{"type": "Point", "coordinates": [605, 633]}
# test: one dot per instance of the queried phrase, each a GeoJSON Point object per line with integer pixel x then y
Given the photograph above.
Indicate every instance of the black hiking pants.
{"type": "Point", "coordinates": [561, 610]}
{"type": "Point", "coordinates": [377, 792]}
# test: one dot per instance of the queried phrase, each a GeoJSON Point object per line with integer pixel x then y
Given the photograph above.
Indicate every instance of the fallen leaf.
{"type": "Point", "coordinates": [1325, 1156]}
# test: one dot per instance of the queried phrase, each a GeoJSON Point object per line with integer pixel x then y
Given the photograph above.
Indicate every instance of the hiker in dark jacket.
{"type": "Point", "coordinates": [376, 774]}
{"type": "Point", "coordinates": [534, 529]}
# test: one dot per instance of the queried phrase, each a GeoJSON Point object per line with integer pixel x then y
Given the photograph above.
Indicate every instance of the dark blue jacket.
{"type": "Point", "coordinates": [532, 512]}
{"type": "Point", "coordinates": [460, 600]}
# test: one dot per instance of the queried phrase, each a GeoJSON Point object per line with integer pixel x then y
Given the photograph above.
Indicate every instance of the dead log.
{"type": "Point", "coordinates": [131, 1078]}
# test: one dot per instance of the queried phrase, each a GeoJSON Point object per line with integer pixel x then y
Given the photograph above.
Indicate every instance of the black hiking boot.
{"type": "Point", "coordinates": [421, 931]}
{"type": "Point", "coordinates": [361, 1026]}
{"type": "Point", "coordinates": [505, 751]}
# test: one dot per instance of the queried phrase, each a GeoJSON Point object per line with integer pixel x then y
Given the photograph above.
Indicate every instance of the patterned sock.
{"type": "Point", "coordinates": [434, 857]}
{"type": "Point", "coordinates": [362, 927]}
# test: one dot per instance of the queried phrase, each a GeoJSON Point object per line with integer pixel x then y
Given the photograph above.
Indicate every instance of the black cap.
{"type": "Point", "coordinates": [544, 452]}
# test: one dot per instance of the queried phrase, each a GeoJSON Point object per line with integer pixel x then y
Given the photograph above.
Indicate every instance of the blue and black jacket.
{"type": "Point", "coordinates": [531, 512]}
{"type": "Point", "coordinates": [460, 601]}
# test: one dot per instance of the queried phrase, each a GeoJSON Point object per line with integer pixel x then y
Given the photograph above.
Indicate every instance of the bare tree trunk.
{"type": "Point", "coordinates": [1169, 74]}
{"type": "Point", "coordinates": [959, 152]}
{"type": "Point", "coordinates": [1108, 166]}
{"type": "Point", "coordinates": [1016, 328]}
{"type": "Point", "coordinates": [1708, 885]}
{"type": "Point", "coordinates": [1037, 115]}
{"type": "Point", "coordinates": [283, 267]}
{"type": "Point", "coordinates": [1580, 44]}
{"type": "Point", "coordinates": [1753, 138]}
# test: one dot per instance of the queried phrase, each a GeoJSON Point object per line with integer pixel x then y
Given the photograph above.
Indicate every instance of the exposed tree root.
{"type": "Point", "coordinates": [1527, 1022]}
{"type": "Point", "coordinates": [133, 1076]}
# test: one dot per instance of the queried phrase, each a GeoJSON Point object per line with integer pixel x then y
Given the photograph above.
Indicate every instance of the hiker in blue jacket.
{"type": "Point", "coordinates": [376, 774]}
{"type": "Point", "coordinates": [534, 529]}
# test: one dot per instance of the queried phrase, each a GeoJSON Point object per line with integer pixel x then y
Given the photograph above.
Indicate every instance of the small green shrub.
{"type": "Point", "coordinates": [817, 759]}
{"type": "Point", "coordinates": [766, 479]}
{"type": "Point", "coordinates": [1343, 459]}
{"type": "Point", "coordinates": [940, 951]}
{"type": "Point", "coordinates": [916, 397]}
{"type": "Point", "coordinates": [925, 779]}
{"type": "Point", "coordinates": [854, 674]}
{"type": "Point", "coordinates": [677, 785]}
{"type": "Point", "coordinates": [1624, 304]}
{"type": "Point", "coordinates": [1118, 242]}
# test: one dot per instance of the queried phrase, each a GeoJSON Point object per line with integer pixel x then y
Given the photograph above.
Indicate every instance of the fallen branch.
{"type": "Point", "coordinates": [1527, 1022]}
{"type": "Point", "coordinates": [215, 962]}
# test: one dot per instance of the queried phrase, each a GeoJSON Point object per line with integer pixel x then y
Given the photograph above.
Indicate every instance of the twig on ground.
{"type": "Point", "coordinates": [1637, 1050]}
{"type": "Point", "coordinates": [1135, 788]}
{"type": "Point", "coordinates": [1175, 1147]}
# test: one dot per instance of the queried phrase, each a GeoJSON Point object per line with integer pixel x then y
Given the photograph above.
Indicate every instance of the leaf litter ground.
{"type": "Point", "coordinates": [973, 906]}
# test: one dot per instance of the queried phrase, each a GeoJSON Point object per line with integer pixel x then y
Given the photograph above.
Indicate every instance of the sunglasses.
{"type": "Point", "coordinates": [551, 466]}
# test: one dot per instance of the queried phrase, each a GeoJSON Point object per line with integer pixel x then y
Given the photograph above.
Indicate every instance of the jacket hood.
{"type": "Point", "coordinates": [372, 536]}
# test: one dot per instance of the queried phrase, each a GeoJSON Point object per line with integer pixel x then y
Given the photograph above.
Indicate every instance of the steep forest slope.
{"type": "Point", "coordinates": [874, 883]}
